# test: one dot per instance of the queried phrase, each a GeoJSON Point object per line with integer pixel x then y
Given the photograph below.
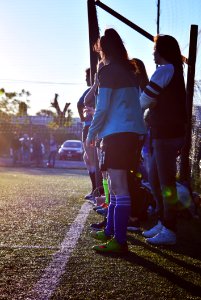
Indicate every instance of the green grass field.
{"type": "Point", "coordinates": [38, 207]}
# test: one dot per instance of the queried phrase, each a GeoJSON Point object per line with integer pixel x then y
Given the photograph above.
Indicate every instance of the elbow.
{"type": "Point", "coordinates": [147, 103]}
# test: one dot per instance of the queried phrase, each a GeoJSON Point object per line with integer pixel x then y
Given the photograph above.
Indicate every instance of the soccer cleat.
{"type": "Point", "coordinates": [164, 237]}
{"type": "Point", "coordinates": [104, 205]}
{"type": "Point", "coordinates": [102, 211]}
{"type": "Point", "coordinates": [89, 196]}
{"type": "Point", "coordinates": [92, 201]}
{"type": "Point", "coordinates": [111, 247]}
{"type": "Point", "coordinates": [153, 231]}
{"type": "Point", "coordinates": [98, 226]}
{"type": "Point", "coordinates": [100, 235]}
{"type": "Point", "coordinates": [133, 226]}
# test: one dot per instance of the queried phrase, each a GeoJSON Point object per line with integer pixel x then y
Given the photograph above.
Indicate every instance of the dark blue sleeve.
{"type": "Point", "coordinates": [80, 105]}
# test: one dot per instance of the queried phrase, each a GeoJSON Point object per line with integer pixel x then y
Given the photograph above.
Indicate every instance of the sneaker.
{"type": "Point", "coordinates": [133, 226]}
{"type": "Point", "coordinates": [112, 247]}
{"type": "Point", "coordinates": [104, 205]}
{"type": "Point", "coordinates": [153, 231]}
{"type": "Point", "coordinates": [98, 226]}
{"type": "Point", "coordinates": [92, 201]}
{"type": "Point", "coordinates": [164, 237]}
{"type": "Point", "coordinates": [89, 196]}
{"type": "Point", "coordinates": [102, 211]}
{"type": "Point", "coordinates": [100, 235]}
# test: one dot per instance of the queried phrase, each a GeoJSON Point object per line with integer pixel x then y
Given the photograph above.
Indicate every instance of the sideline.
{"type": "Point", "coordinates": [10, 247]}
{"type": "Point", "coordinates": [47, 284]}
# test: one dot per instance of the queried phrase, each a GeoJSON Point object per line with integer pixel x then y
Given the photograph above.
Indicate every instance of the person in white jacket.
{"type": "Point", "coordinates": [166, 99]}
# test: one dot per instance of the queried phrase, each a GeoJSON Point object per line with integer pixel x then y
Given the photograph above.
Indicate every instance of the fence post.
{"type": "Point", "coordinates": [93, 37]}
{"type": "Point", "coordinates": [185, 168]}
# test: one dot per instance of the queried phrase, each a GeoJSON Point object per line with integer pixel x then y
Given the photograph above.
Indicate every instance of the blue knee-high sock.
{"type": "Point", "coordinates": [121, 216]}
{"type": "Point", "coordinates": [109, 229]}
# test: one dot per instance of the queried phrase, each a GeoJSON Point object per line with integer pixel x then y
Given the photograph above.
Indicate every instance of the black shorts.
{"type": "Point", "coordinates": [121, 151]}
{"type": "Point", "coordinates": [85, 132]}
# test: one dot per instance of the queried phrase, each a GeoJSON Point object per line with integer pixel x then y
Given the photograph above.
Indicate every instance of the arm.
{"type": "Point", "coordinates": [102, 107]}
{"type": "Point", "coordinates": [103, 102]}
{"type": "Point", "coordinates": [89, 97]}
{"type": "Point", "coordinates": [80, 106]}
{"type": "Point", "coordinates": [89, 110]}
{"type": "Point", "coordinates": [159, 80]}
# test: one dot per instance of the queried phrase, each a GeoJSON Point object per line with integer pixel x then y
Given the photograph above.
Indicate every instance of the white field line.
{"type": "Point", "coordinates": [46, 285]}
{"type": "Point", "coordinates": [7, 246]}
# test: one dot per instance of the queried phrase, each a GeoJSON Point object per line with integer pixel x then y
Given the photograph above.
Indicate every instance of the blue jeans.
{"type": "Point", "coordinates": [52, 157]}
{"type": "Point", "coordinates": [162, 178]}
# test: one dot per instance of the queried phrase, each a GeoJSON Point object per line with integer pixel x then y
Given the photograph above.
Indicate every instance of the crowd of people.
{"type": "Point", "coordinates": [140, 126]}
{"type": "Point", "coordinates": [26, 150]}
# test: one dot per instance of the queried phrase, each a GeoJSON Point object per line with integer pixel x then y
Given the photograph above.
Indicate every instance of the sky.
{"type": "Point", "coordinates": [44, 46]}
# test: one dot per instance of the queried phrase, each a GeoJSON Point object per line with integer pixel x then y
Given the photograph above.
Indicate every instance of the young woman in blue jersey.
{"type": "Point", "coordinates": [166, 99]}
{"type": "Point", "coordinates": [118, 120]}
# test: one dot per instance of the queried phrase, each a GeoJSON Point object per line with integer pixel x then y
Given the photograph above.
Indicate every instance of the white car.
{"type": "Point", "coordinates": [71, 149]}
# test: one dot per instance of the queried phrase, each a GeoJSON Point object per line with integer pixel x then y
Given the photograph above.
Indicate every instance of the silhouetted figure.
{"type": "Point", "coordinates": [15, 148]}
{"type": "Point", "coordinates": [37, 150]}
{"type": "Point", "coordinates": [52, 152]}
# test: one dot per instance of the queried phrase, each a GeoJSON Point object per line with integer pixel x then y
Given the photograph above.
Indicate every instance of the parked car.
{"type": "Point", "coordinates": [71, 149]}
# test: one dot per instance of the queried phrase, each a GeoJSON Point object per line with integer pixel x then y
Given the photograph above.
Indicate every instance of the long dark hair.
{"type": "Point", "coordinates": [113, 48]}
{"type": "Point", "coordinates": [168, 47]}
{"type": "Point", "coordinates": [141, 72]}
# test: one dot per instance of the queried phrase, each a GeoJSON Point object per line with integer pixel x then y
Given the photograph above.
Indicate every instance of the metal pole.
{"type": "Point", "coordinates": [129, 23]}
{"type": "Point", "coordinates": [124, 20]}
{"type": "Point", "coordinates": [158, 17]}
{"type": "Point", "coordinates": [93, 36]}
{"type": "Point", "coordinates": [185, 169]}
{"type": "Point", "coordinates": [158, 20]}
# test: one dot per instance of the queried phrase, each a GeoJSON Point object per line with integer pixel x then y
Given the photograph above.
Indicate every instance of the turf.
{"type": "Point", "coordinates": [37, 207]}
{"type": "Point", "coordinates": [147, 272]}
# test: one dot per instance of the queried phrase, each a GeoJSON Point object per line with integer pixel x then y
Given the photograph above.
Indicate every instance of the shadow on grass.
{"type": "Point", "coordinates": [176, 249]}
{"type": "Point", "coordinates": [189, 287]}
{"type": "Point", "coordinates": [133, 258]}
{"type": "Point", "coordinates": [187, 249]}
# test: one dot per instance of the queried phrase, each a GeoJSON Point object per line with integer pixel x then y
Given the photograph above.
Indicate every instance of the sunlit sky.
{"type": "Point", "coordinates": [44, 46]}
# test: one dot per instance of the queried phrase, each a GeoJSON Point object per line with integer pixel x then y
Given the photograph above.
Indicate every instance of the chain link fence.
{"type": "Point", "coordinates": [41, 126]}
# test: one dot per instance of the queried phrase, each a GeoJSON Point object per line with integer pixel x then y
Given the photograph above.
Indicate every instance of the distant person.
{"type": "Point", "coordinates": [52, 152]}
{"type": "Point", "coordinates": [118, 120]}
{"type": "Point", "coordinates": [165, 97]}
{"type": "Point", "coordinates": [38, 150]}
{"type": "Point", "coordinates": [89, 151]}
{"type": "Point", "coordinates": [26, 148]}
{"type": "Point", "coordinates": [15, 148]}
